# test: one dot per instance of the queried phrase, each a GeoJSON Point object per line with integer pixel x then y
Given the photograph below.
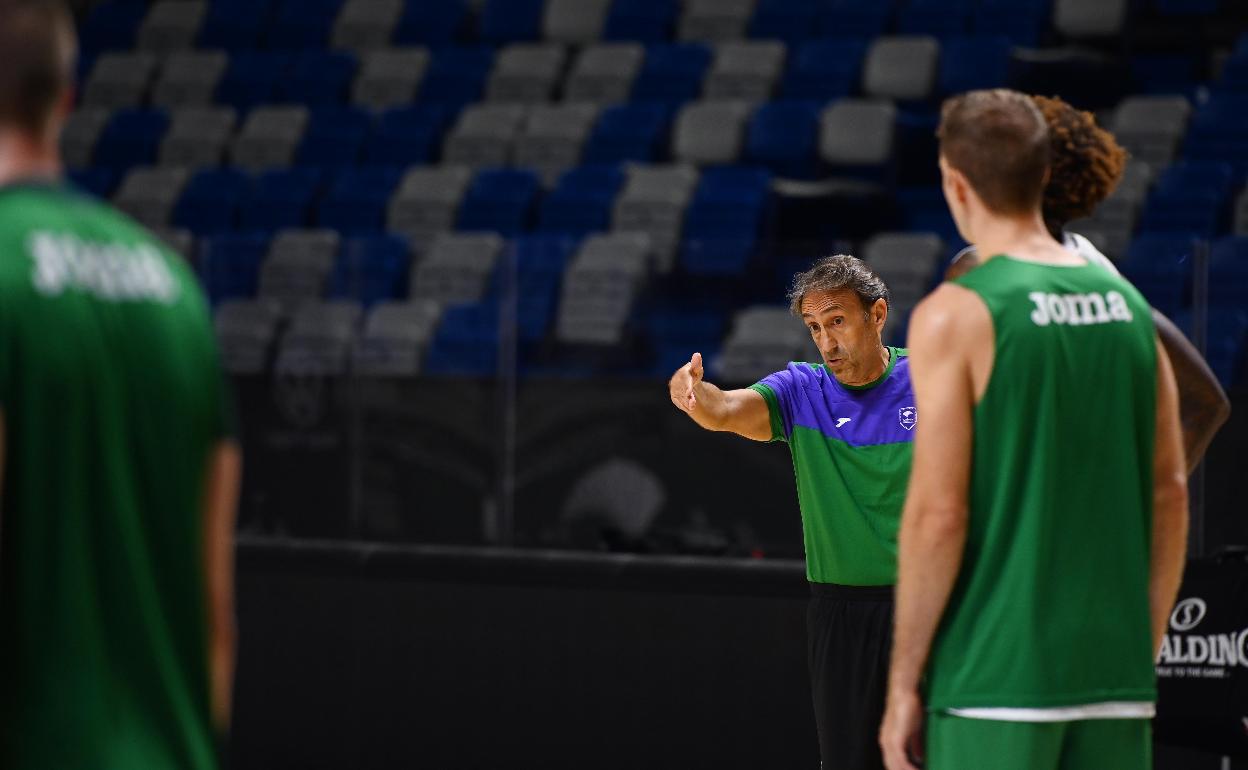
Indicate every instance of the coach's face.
{"type": "Point", "coordinates": [848, 335]}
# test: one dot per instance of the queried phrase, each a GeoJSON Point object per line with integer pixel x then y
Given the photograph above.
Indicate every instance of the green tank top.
{"type": "Point", "coordinates": [112, 397]}
{"type": "Point", "coordinates": [1050, 607]}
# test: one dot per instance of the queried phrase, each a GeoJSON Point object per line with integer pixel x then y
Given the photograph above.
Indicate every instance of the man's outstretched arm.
{"type": "Point", "coordinates": [1203, 405]}
{"type": "Point", "coordinates": [743, 412]}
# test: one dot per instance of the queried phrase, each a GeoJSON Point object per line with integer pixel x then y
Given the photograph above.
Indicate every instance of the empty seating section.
{"type": "Point", "coordinates": [365, 185]}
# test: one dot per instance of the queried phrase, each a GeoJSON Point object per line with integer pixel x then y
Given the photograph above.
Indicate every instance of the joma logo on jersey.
{"type": "Point", "coordinates": [1078, 309]}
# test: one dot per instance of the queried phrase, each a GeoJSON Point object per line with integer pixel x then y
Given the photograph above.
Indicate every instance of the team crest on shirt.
{"type": "Point", "coordinates": [908, 416]}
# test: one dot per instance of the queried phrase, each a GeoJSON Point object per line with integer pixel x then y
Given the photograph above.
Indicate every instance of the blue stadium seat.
{"type": "Point", "coordinates": [131, 138]}
{"type": "Point", "coordinates": [235, 25]}
{"type": "Point", "coordinates": [318, 78]}
{"type": "Point", "coordinates": [1226, 349]}
{"type": "Point", "coordinates": [581, 201]}
{"type": "Point", "coordinates": [357, 198]}
{"type": "Point", "coordinates": [972, 63]}
{"type": "Point", "coordinates": [540, 261]}
{"type": "Point", "coordinates": [1228, 272]}
{"type": "Point", "coordinates": [671, 73]}
{"type": "Point", "coordinates": [501, 200]}
{"type": "Point", "coordinates": [788, 20]}
{"type": "Point", "coordinates": [251, 79]}
{"type": "Point", "coordinates": [466, 342]}
{"type": "Point", "coordinates": [370, 269]}
{"type": "Point", "coordinates": [677, 329]}
{"type": "Point", "coordinates": [628, 132]}
{"type": "Point", "coordinates": [280, 198]}
{"type": "Point", "coordinates": [1165, 74]}
{"type": "Point", "coordinates": [645, 21]}
{"type": "Point", "coordinates": [1191, 197]}
{"type": "Point", "coordinates": [782, 136]}
{"type": "Point", "coordinates": [112, 25]}
{"type": "Point", "coordinates": [1160, 266]}
{"type": "Point", "coordinates": [432, 24]}
{"type": "Point", "coordinates": [229, 264]}
{"type": "Point", "coordinates": [97, 181]}
{"type": "Point", "coordinates": [1022, 21]}
{"type": "Point", "coordinates": [508, 21]}
{"type": "Point", "coordinates": [922, 209]}
{"type": "Point", "coordinates": [406, 136]}
{"type": "Point", "coordinates": [940, 18]}
{"type": "Point", "coordinates": [854, 18]}
{"type": "Point", "coordinates": [303, 24]}
{"type": "Point", "coordinates": [1219, 132]}
{"type": "Point", "coordinates": [334, 137]}
{"type": "Point", "coordinates": [723, 221]}
{"type": "Point", "coordinates": [824, 69]}
{"type": "Point", "coordinates": [456, 76]}
{"type": "Point", "coordinates": [209, 203]}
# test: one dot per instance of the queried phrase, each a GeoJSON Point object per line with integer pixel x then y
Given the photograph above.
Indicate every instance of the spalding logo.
{"type": "Point", "coordinates": [1188, 614]}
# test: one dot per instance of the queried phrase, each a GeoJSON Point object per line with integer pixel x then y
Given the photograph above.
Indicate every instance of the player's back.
{"type": "Point", "coordinates": [112, 400]}
{"type": "Point", "coordinates": [1051, 607]}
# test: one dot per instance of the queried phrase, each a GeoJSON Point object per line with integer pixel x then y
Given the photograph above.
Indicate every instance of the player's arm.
{"type": "Point", "coordinates": [223, 471]}
{"type": "Point", "coordinates": [743, 412]}
{"type": "Point", "coordinates": [944, 329]}
{"type": "Point", "coordinates": [1203, 405]}
{"type": "Point", "coordinates": [1169, 544]}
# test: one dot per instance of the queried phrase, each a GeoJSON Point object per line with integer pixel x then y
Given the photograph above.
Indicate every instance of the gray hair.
{"type": "Point", "coordinates": [838, 272]}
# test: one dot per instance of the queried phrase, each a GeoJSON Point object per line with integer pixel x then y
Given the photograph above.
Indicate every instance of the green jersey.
{"type": "Point", "coordinates": [112, 399]}
{"type": "Point", "coordinates": [1050, 608]}
{"type": "Point", "coordinates": [851, 450]}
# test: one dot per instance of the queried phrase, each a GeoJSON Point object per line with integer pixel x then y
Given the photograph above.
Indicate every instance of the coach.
{"type": "Point", "coordinates": [849, 421]}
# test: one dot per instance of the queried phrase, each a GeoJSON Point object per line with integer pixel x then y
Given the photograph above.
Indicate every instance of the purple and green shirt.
{"type": "Point", "coordinates": [851, 449]}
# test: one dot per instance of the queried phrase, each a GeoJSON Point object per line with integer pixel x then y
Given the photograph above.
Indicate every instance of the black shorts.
{"type": "Point", "coordinates": [849, 631]}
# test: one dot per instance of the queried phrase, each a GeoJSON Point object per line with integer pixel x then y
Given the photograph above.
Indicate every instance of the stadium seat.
{"type": "Point", "coordinates": [209, 203]}
{"type": "Point", "coordinates": [907, 262]}
{"type": "Point", "coordinates": [744, 70]}
{"type": "Point", "coordinates": [1228, 272]}
{"type": "Point", "coordinates": [302, 25]}
{"type": "Point", "coordinates": [525, 72]}
{"type": "Point", "coordinates": [599, 288]}
{"type": "Point", "coordinates": [643, 21]}
{"type": "Point", "coordinates": [119, 80]}
{"type": "Point", "coordinates": [318, 78]}
{"type": "Point", "coordinates": [653, 201]}
{"type": "Point", "coordinates": [357, 199]}
{"type": "Point", "coordinates": [251, 78]}
{"type": "Point", "coordinates": [406, 136]}
{"type": "Point", "coordinates": [711, 132]}
{"type": "Point", "coordinates": [189, 79]}
{"type": "Point", "coordinates": [857, 134]}
{"type": "Point", "coordinates": [789, 20]}
{"type": "Point", "coordinates": [111, 25]}
{"type": "Point", "coordinates": [297, 266]}
{"type": "Point", "coordinates": [148, 193]}
{"type": "Point", "coordinates": [604, 73]}
{"type": "Point", "coordinates": [269, 137]}
{"type": "Point", "coordinates": [553, 136]}
{"type": "Point", "coordinates": [246, 330]}
{"type": "Point", "coordinates": [334, 137]}
{"type": "Point", "coordinates": [131, 138]}
{"type": "Point", "coordinates": [1022, 21]}
{"type": "Point", "coordinates": [581, 201]}
{"type": "Point", "coordinates": [81, 134]}
{"type": "Point", "coordinates": [456, 76]}
{"type": "Point", "coordinates": [235, 25]}
{"type": "Point", "coordinates": [723, 221]}
{"type": "Point", "coordinates": [499, 200]}
{"type": "Point", "coordinates": [938, 18]}
{"type": "Point", "coordinates": [853, 19]}
{"type": "Point", "coordinates": [483, 135]}
{"type": "Point", "coordinates": [1218, 132]}
{"type": "Point", "coordinates": [389, 78]}
{"type": "Point", "coordinates": [1160, 265]}
{"type": "Point", "coordinates": [197, 136]}
{"type": "Point", "coordinates": [466, 342]}
{"type": "Point", "coordinates": [365, 24]}
{"type": "Point", "coordinates": [370, 269]}
{"type": "Point", "coordinates": [763, 339]}
{"type": "Point", "coordinates": [1083, 75]}
{"type": "Point", "coordinates": [171, 25]}
{"type": "Point", "coordinates": [428, 200]}
{"type": "Point", "coordinates": [431, 24]}
{"type": "Point", "coordinates": [1151, 127]}
{"type": "Point", "coordinates": [672, 74]}
{"type": "Point", "coordinates": [509, 21]}
{"type": "Point", "coordinates": [180, 240]}
{"type": "Point", "coordinates": [1191, 197]}
{"type": "Point", "coordinates": [973, 63]}
{"type": "Point", "coordinates": [229, 264]}
{"type": "Point", "coordinates": [714, 20]}
{"type": "Point", "coordinates": [456, 268]}
{"type": "Point", "coordinates": [824, 69]}
{"type": "Point", "coordinates": [782, 136]}
{"type": "Point", "coordinates": [395, 336]}
{"type": "Point", "coordinates": [576, 22]}
{"type": "Point", "coordinates": [320, 339]}
{"type": "Point", "coordinates": [902, 68]}
{"type": "Point", "coordinates": [280, 198]}
{"type": "Point", "coordinates": [628, 132]}
{"type": "Point", "coordinates": [1084, 19]}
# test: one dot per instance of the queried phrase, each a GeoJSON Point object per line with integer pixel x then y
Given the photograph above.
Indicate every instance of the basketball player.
{"type": "Point", "coordinates": [118, 470]}
{"type": "Point", "coordinates": [848, 422]}
{"type": "Point", "coordinates": [1086, 163]}
{"type": "Point", "coordinates": [1043, 537]}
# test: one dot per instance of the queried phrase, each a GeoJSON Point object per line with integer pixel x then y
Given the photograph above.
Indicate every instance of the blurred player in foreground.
{"type": "Point", "coordinates": [119, 471]}
{"type": "Point", "coordinates": [1043, 536]}
{"type": "Point", "coordinates": [1085, 165]}
{"type": "Point", "coordinates": [848, 422]}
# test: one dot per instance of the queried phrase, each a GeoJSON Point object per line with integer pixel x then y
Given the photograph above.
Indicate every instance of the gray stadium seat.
{"type": "Point", "coordinates": [1152, 127]}
{"type": "Point", "coordinates": [456, 268]}
{"type": "Point", "coordinates": [269, 137]}
{"type": "Point", "coordinates": [553, 136]}
{"type": "Point", "coordinates": [711, 20]}
{"type": "Point", "coordinates": [605, 73]}
{"type": "Point", "coordinates": [197, 136]}
{"type": "Point", "coordinates": [297, 265]}
{"type": "Point", "coordinates": [365, 24]}
{"type": "Point", "coordinates": [390, 77]}
{"type": "Point", "coordinates": [246, 330]}
{"type": "Point", "coordinates": [148, 193]}
{"type": "Point", "coordinates": [599, 288]}
{"type": "Point", "coordinates": [171, 25]}
{"type": "Point", "coordinates": [525, 72]}
{"type": "Point", "coordinates": [902, 68]}
{"type": "Point", "coordinates": [395, 337]}
{"type": "Point", "coordinates": [1111, 225]}
{"type": "Point", "coordinates": [711, 132]}
{"type": "Point", "coordinates": [653, 201]}
{"type": "Point", "coordinates": [1090, 18]}
{"type": "Point", "coordinates": [1241, 213]}
{"type": "Point", "coordinates": [857, 132]}
{"type": "Point", "coordinates": [763, 339]}
{"type": "Point", "coordinates": [82, 130]}
{"type": "Point", "coordinates": [427, 200]}
{"type": "Point", "coordinates": [574, 21]}
{"type": "Point", "coordinates": [320, 339]}
{"type": "Point", "coordinates": [189, 78]}
{"type": "Point", "coordinates": [180, 240]}
{"type": "Point", "coordinates": [119, 80]}
{"type": "Point", "coordinates": [745, 70]}
{"type": "Point", "coordinates": [907, 262]}
{"type": "Point", "coordinates": [483, 135]}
